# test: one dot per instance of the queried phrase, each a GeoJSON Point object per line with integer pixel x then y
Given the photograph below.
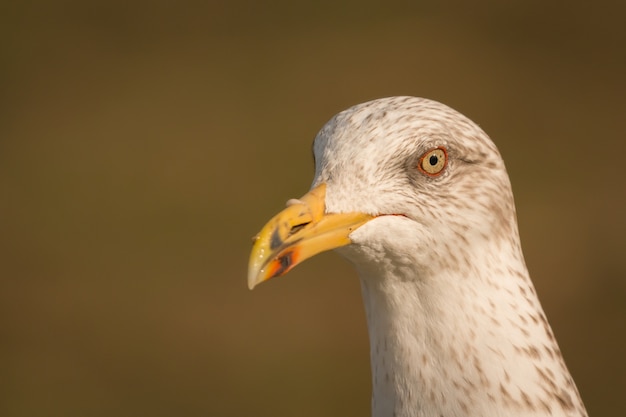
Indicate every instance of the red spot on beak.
{"type": "Point", "coordinates": [283, 263]}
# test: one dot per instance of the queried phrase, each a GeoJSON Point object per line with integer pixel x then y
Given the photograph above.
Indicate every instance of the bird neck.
{"type": "Point", "coordinates": [463, 343]}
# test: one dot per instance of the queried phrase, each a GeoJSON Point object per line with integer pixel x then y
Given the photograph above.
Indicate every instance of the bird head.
{"type": "Point", "coordinates": [392, 176]}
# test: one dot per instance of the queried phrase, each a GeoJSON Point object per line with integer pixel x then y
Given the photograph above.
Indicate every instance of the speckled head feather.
{"type": "Point", "coordinates": [456, 328]}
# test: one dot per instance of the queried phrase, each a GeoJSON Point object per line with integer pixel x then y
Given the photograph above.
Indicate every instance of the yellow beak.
{"type": "Point", "coordinates": [300, 231]}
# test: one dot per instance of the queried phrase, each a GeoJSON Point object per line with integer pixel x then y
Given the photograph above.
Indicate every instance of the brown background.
{"type": "Point", "coordinates": [142, 144]}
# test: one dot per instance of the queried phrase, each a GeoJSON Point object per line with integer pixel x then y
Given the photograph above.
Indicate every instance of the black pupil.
{"type": "Point", "coordinates": [433, 160]}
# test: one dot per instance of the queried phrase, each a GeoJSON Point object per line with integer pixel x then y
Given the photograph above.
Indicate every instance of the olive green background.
{"type": "Point", "coordinates": [142, 144]}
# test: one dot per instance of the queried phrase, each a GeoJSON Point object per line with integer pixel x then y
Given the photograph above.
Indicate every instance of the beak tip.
{"type": "Point", "coordinates": [251, 285]}
{"type": "Point", "coordinates": [254, 278]}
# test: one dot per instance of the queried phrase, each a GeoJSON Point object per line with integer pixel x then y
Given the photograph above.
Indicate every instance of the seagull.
{"type": "Point", "coordinates": [416, 196]}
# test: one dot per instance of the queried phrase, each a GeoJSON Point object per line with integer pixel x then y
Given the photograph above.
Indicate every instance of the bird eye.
{"type": "Point", "coordinates": [433, 162]}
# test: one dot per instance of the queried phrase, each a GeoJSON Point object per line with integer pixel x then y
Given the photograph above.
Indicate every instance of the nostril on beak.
{"type": "Point", "coordinates": [295, 229]}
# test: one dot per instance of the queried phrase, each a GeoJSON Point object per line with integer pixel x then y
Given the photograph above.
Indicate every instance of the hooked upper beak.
{"type": "Point", "coordinates": [300, 231]}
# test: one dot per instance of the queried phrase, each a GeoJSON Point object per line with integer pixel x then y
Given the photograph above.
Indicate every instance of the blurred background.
{"type": "Point", "coordinates": [142, 144]}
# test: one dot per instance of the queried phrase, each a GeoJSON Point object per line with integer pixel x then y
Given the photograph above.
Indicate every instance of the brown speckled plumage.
{"type": "Point", "coordinates": [455, 325]}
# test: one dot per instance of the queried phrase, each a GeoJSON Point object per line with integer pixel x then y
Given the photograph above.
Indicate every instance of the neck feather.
{"type": "Point", "coordinates": [463, 343]}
